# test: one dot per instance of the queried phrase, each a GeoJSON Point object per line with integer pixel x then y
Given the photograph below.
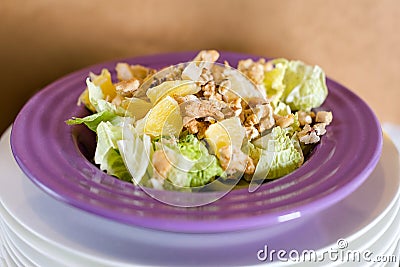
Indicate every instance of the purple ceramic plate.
{"type": "Point", "coordinates": [52, 154]}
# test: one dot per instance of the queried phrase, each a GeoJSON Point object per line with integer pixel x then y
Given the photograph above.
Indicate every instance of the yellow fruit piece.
{"type": "Point", "coordinates": [164, 119]}
{"type": "Point", "coordinates": [228, 132]}
{"type": "Point", "coordinates": [137, 108]}
{"type": "Point", "coordinates": [172, 88]}
{"type": "Point", "coordinates": [84, 98]}
{"type": "Point", "coordinates": [105, 83]}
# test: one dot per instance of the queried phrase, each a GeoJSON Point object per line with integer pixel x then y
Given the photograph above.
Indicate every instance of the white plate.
{"type": "Point", "coordinates": [86, 238]}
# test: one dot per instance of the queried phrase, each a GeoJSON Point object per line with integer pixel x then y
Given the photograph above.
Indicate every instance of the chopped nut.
{"type": "Point", "coordinates": [191, 125]}
{"type": "Point", "coordinates": [284, 121]}
{"type": "Point", "coordinates": [206, 76]}
{"type": "Point", "coordinates": [324, 116]}
{"type": "Point", "coordinates": [236, 106]}
{"type": "Point", "coordinates": [161, 164]}
{"type": "Point", "coordinates": [197, 127]}
{"type": "Point", "coordinates": [320, 128]}
{"type": "Point", "coordinates": [127, 88]}
{"type": "Point", "coordinates": [224, 86]}
{"type": "Point", "coordinates": [250, 167]}
{"type": "Point", "coordinates": [310, 138]}
{"type": "Point", "coordinates": [207, 55]}
{"type": "Point", "coordinates": [251, 132]}
{"type": "Point", "coordinates": [254, 70]}
{"type": "Point", "coordinates": [251, 120]}
{"type": "Point", "coordinates": [304, 118]}
{"type": "Point", "coordinates": [306, 129]}
{"type": "Point", "coordinates": [208, 89]}
{"type": "Point", "coordinates": [202, 127]}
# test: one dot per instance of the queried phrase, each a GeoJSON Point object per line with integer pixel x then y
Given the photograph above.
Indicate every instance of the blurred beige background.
{"type": "Point", "coordinates": [356, 42]}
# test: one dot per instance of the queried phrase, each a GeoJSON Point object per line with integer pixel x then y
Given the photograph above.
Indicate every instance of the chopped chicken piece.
{"type": "Point", "coordinates": [201, 108]}
{"type": "Point", "coordinates": [235, 161]}
{"type": "Point", "coordinates": [320, 128]}
{"type": "Point", "coordinates": [324, 116]}
{"type": "Point", "coordinates": [265, 116]}
{"type": "Point", "coordinates": [128, 72]}
{"type": "Point", "coordinates": [161, 164]}
{"type": "Point", "coordinates": [127, 88]}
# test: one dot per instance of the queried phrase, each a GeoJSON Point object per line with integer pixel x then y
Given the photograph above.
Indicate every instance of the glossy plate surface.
{"type": "Point", "coordinates": [47, 150]}
{"type": "Point", "coordinates": [77, 238]}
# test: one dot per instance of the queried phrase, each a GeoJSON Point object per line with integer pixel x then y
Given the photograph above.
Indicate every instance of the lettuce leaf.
{"type": "Point", "coordinates": [280, 155]}
{"type": "Point", "coordinates": [107, 154]}
{"type": "Point", "coordinates": [273, 80]}
{"type": "Point", "coordinates": [92, 121]}
{"type": "Point", "coordinates": [136, 153]}
{"type": "Point", "coordinates": [98, 101]}
{"type": "Point", "coordinates": [206, 166]}
{"type": "Point", "coordinates": [305, 86]}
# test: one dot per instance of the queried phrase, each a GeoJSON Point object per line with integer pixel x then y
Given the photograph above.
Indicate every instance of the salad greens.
{"type": "Point", "coordinates": [202, 122]}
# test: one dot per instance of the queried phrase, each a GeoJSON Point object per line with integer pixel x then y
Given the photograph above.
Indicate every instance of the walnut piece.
{"type": "Point", "coordinates": [305, 117]}
{"type": "Point", "coordinates": [320, 128]}
{"type": "Point", "coordinates": [253, 70]}
{"type": "Point", "coordinates": [251, 132]}
{"type": "Point", "coordinates": [207, 55]}
{"type": "Point", "coordinates": [324, 116]}
{"type": "Point", "coordinates": [310, 138]}
{"type": "Point", "coordinates": [284, 121]}
{"type": "Point", "coordinates": [197, 127]}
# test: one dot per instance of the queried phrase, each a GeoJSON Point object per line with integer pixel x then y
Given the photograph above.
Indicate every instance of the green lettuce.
{"type": "Point", "coordinates": [96, 98]}
{"type": "Point", "coordinates": [192, 165]}
{"type": "Point", "coordinates": [280, 155]}
{"type": "Point", "coordinates": [305, 86]}
{"type": "Point", "coordinates": [107, 154]}
{"type": "Point", "coordinates": [273, 80]}
{"type": "Point", "coordinates": [93, 120]}
{"type": "Point", "coordinates": [206, 166]}
{"type": "Point", "coordinates": [136, 152]}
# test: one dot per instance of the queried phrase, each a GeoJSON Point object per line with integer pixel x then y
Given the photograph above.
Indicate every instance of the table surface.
{"type": "Point", "coordinates": [355, 42]}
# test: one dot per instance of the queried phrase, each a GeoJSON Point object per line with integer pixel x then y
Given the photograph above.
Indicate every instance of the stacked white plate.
{"type": "Point", "coordinates": [37, 230]}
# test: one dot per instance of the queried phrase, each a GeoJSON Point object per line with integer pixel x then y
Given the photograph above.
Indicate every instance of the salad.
{"type": "Point", "coordinates": [187, 125]}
